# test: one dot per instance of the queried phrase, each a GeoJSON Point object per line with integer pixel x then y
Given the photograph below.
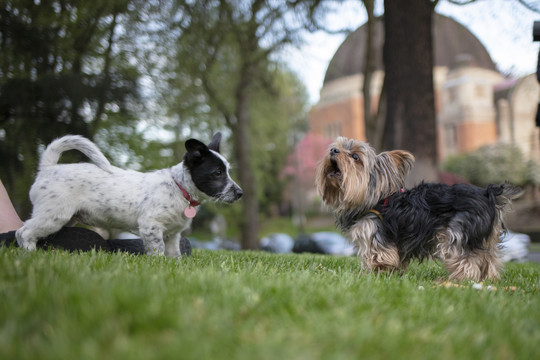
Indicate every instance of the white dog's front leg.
{"type": "Point", "coordinates": [152, 236]}
{"type": "Point", "coordinates": [172, 245]}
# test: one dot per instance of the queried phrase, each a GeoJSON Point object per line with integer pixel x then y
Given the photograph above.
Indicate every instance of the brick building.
{"type": "Point", "coordinates": [475, 104]}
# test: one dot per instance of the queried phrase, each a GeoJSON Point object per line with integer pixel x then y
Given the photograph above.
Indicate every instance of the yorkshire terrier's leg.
{"type": "Point", "coordinates": [373, 248]}
{"type": "Point", "coordinates": [493, 263]}
{"type": "Point", "coordinates": [467, 264]}
{"type": "Point", "coordinates": [466, 267]}
{"type": "Point", "coordinates": [460, 262]}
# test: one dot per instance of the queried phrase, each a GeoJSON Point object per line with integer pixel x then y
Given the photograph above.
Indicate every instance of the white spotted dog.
{"type": "Point", "coordinates": [156, 205]}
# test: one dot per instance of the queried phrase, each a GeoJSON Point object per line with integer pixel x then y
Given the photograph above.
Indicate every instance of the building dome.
{"type": "Point", "coordinates": [451, 41]}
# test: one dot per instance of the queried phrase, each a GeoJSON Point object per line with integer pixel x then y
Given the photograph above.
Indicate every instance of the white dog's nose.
{"type": "Point", "coordinates": [238, 192]}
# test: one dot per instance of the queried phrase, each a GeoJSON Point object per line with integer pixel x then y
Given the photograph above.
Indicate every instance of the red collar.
{"type": "Point", "coordinates": [381, 206]}
{"type": "Point", "coordinates": [187, 196]}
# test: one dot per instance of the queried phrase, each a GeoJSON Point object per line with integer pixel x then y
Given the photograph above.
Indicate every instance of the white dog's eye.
{"type": "Point", "coordinates": [218, 173]}
{"type": "Point", "coordinates": [355, 157]}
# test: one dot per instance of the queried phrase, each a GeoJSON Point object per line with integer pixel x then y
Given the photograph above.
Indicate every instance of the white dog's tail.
{"type": "Point", "coordinates": [52, 153]}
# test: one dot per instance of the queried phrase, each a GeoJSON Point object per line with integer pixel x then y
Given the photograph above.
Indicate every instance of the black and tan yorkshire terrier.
{"type": "Point", "coordinates": [459, 224]}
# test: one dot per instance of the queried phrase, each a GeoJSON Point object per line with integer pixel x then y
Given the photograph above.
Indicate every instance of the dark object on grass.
{"type": "Point", "coordinates": [536, 31]}
{"type": "Point", "coordinates": [304, 243]}
{"type": "Point", "coordinates": [80, 239]}
{"type": "Point", "coordinates": [185, 247]}
{"type": "Point", "coordinates": [324, 242]}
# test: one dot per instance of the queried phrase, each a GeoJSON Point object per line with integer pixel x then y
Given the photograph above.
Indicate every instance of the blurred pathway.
{"type": "Point", "coordinates": [534, 256]}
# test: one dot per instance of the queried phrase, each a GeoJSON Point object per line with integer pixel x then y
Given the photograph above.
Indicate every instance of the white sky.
{"type": "Point", "coordinates": [503, 26]}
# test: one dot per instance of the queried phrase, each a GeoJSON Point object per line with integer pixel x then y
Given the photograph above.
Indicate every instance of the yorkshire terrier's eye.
{"type": "Point", "coordinates": [355, 157]}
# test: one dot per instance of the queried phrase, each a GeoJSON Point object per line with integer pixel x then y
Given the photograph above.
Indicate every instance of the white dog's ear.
{"type": "Point", "coordinates": [214, 144]}
{"type": "Point", "coordinates": [195, 150]}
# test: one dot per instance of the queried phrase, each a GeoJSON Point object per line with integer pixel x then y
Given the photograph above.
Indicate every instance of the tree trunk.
{"type": "Point", "coordinates": [370, 119]}
{"type": "Point", "coordinates": [408, 60]}
{"type": "Point", "coordinates": [250, 205]}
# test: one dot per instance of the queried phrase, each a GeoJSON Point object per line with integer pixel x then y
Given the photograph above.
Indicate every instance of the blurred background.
{"type": "Point", "coordinates": [454, 82]}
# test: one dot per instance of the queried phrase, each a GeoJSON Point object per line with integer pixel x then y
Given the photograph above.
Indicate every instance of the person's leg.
{"type": "Point", "coordinates": [9, 220]}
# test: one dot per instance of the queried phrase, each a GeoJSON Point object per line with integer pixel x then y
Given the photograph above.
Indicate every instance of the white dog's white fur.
{"type": "Point", "coordinates": [99, 194]}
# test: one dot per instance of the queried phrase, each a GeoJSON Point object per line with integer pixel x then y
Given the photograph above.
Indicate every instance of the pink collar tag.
{"type": "Point", "coordinates": [190, 212]}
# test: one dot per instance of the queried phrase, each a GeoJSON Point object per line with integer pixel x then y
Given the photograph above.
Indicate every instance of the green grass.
{"type": "Point", "coordinates": [253, 305]}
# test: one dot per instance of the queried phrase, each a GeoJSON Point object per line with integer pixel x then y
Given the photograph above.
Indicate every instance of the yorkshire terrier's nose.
{"type": "Point", "coordinates": [334, 151]}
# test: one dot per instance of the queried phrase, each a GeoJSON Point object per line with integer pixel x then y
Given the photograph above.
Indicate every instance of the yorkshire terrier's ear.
{"type": "Point", "coordinates": [392, 168]}
{"type": "Point", "coordinates": [403, 160]}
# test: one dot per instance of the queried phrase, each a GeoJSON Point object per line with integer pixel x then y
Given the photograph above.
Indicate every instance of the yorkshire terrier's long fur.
{"type": "Point", "coordinates": [459, 224]}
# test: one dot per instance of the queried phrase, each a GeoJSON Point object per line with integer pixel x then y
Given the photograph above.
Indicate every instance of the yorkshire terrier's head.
{"type": "Point", "coordinates": [351, 174]}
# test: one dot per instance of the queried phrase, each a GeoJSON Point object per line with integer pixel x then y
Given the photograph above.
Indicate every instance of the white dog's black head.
{"type": "Point", "coordinates": [210, 171]}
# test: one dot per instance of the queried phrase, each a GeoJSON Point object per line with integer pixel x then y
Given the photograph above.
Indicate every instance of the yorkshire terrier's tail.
{"type": "Point", "coordinates": [52, 153]}
{"type": "Point", "coordinates": [501, 196]}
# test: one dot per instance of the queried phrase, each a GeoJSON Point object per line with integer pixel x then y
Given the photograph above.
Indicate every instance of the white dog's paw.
{"type": "Point", "coordinates": [28, 245]}
{"type": "Point", "coordinates": [24, 242]}
{"type": "Point", "coordinates": [154, 249]}
{"type": "Point", "coordinates": [154, 252]}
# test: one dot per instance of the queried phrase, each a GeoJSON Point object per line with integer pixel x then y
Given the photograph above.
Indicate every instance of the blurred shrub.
{"type": "Point", "coordinates": [492, 164]}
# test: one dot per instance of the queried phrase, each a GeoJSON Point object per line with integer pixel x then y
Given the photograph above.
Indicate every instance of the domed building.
{"type": "Point", "coordinates": [474, 103]}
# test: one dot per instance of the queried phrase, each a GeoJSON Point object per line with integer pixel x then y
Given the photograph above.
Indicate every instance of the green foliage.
{"type": "Point", "coordinates": [224, 54]}
{"type": "Point", "coordinates": [252, 305]}
{"type": "Point", "coordinates": [63, 69]}
{"type": "Point", "coordinates": [141, 77]}
{"type": "Point", "coordinates": [276, 118]}
{"type": "Point", "coordinates": [215, 60]}
{"type": "Point", "coordinates": [492, 164]}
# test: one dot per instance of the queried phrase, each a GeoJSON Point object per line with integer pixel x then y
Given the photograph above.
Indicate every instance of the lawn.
{"type": "Point", "coordinates": [254, 305]}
